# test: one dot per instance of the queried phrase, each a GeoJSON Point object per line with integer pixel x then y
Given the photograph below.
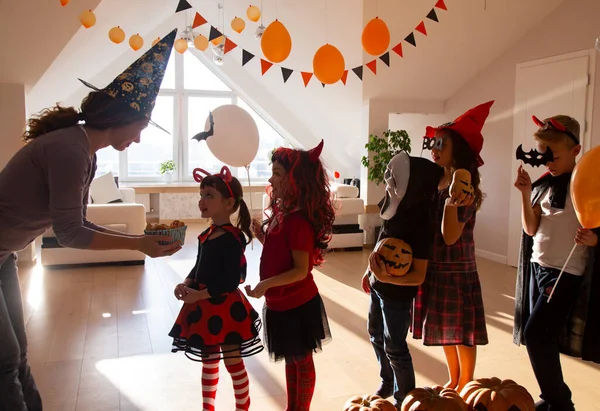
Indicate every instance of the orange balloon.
{"type": "Point", "coordinates": [217, 40]}
{"type": "Point", "coordinates": [201, 42]}
{"type": "Point", "coordinates": [136, 42]}
{"type": "Point", "coordinates": [276, 42]}
{"type": "Point", "coordinates": [87, 19]}
{"type": "Point", "coordinates": [64, 2]}
{"type": "Point", "coordinates": [156, 40]}
{"type": "Point", "coordinates": [253, 13]}
{"type": "Point", "coordinates": [116, 35]}
{"type": "Point", "coordinates": [328, 64]}
{"type": "Point", "coordinates": [181, 45]}
{"type": "Point", "coordinates": [585, 189]}
{"type": "Point", "coordinates": [376, 37]}
{"type": "Point", "coordinates": [238, 25]}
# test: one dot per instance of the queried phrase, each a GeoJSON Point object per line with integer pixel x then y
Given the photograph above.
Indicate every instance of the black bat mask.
{"type": "Point", "coordinates": [533, 157]}
{"type": "Point", "coordinates": [206, 134]}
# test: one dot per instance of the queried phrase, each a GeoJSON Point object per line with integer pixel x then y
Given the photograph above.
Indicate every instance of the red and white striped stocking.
{"type": "Point", "coordinates": [210, 380]}
{"type": "Point", "coordinates": [241, 386]}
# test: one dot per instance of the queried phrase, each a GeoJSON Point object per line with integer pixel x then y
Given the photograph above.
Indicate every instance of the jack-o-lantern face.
{"type": "Point", "coordinates": [395, 254]}
{"type": "Point", "coordinates": [461, 184]}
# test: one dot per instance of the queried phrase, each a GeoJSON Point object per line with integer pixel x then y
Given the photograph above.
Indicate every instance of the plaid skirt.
{"type": "Point", "coordinates": [448, 310]}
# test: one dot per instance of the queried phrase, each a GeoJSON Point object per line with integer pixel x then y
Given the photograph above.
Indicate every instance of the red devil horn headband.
{"type": "Point", "coordinates": [556, 125]}
{"type": "Point", "coordinates": [224, 175]}
{"type": "Point", "coordinates": [315, 153]}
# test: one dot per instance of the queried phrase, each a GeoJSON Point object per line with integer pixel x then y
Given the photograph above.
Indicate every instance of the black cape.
{"type": "Point", "coordinates": [581, 333]}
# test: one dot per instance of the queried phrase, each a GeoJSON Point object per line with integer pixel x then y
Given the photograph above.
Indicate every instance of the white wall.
{"type": "Point", "coordinates": [12, 120]}
{"type": "Point", "coordinates": [573, 26]}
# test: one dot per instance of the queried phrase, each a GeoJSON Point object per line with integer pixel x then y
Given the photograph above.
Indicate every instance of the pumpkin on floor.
{"type": "Point", "coordinates": [395, 254]}
{"type": "Point", "coordinates": [368, 403]}
{"type": "Point", "coordinates": [493, 394]}
{"type": "Point", "coordinates": [436, 398]}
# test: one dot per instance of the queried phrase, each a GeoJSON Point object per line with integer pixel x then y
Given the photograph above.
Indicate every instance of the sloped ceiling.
{"type": "Point", "coordinates": [469, 36]}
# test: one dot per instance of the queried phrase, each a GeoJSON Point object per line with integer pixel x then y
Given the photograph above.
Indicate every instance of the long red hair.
{"type": "Point", "coordinates": [308, 191]}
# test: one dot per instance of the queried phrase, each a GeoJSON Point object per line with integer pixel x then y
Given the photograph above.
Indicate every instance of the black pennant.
{"type": "Point", "coordinates": [433, 16]}
{"type": "Point", "coordinates": [385, 58]}
{"type": "Point", "coordinates": [358, 71]}
{"type": "Point", "coordinates": [286, 73]}
{"type": "Point", "coordinates": [183, 5]}
{"type": "Point", "coordinates": [246, 57]}
{"type": "Point", "coordinates": [323, 84]}
{"type": "Point", "coordinates": [411, 39]}
{"type": "Point", "coordinates": [214, 34]}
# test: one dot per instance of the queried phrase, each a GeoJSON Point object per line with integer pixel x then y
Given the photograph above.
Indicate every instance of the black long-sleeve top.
{"type": "Point", "coordinates": [220, 264]}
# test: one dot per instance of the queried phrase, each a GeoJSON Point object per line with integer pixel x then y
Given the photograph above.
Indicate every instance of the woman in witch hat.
{"type": "Point", "coordinates": [46, 184]}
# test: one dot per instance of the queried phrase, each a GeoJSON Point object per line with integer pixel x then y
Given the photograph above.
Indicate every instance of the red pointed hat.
{"type": "Point", "coordinates": [469, 126]}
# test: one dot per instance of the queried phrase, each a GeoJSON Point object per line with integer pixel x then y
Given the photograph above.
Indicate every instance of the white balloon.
{"type": "Point", "coordinates": [235, 137]}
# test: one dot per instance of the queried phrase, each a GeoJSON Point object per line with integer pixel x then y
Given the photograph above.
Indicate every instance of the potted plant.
{"type": "Point", "coordinates": [382, 150]}
{"type": "Point", "coordinates": [166, 169]}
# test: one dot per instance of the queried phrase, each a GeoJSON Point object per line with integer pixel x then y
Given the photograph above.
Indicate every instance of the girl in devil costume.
{"type": "Point", "coordinates": [448, 309]}
{"type": "Point", "coordinates": [216, 321]}
{"type": "Point", "coordinates": [295, 237]}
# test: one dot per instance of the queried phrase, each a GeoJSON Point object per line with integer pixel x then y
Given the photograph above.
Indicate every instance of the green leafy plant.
{"type": "Point", "coordinates": [167, 167]}
{"type": "Point", "coordinates": [383, 149]}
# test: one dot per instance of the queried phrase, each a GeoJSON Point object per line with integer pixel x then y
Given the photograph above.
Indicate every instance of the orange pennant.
{"type": "Point", "coordinates": [398, 49]}
{"type": "Point", "coordinates": [306, 77]}
{"type": "Point", "coordinates": [229, 45]}
{"type": "Point", "coordinates": [421, 28]}
{"type": "Point", "coordinates": [265, 66]}
{"type": "Point", "coordinates": [345, 77]}
{"type": "Point", "coordinates": [440, 5]}
{"type": "Point", "coordinates": [198, 21]}
{"type": "Point", "coordinates": [372, 65]}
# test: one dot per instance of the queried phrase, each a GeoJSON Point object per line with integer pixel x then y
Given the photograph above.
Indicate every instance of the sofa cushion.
{"type": "Point", "coordinates": [103, 190]}
{"type": "Point", "coordinates": [345, 191]}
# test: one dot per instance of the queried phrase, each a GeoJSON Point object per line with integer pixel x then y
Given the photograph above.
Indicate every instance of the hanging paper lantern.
{"type": "Point", "coordinates": [253, 13]}
{"type": "Point", "coordinates": [64, 2]}
{"type": "Point", "coordinates": [136, 42]}
{"type": "Point", "coordinates": [181, 45]}
{"type": "Point", "coordinates": [276, 42]}
{"type": "Point", "coordinates": [87, 19]}
{"type": "Point", "coordinates": [328, 64]}
{"type": "Point", "coordinates": [376, 37]}
{"type": "Point", "coordinates": [201, 42]}
{"type": "Point", "coordinates": [156, 40]}
{"type": "Point", "coordinates": [238, 25]}
{"type": "Point", "coordinates": [116, 35]}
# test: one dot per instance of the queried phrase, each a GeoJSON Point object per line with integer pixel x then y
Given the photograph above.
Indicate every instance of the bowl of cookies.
{"type": "Point", "coordinates": [176, 230]}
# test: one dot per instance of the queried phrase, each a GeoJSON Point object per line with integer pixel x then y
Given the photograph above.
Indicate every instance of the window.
{"type": "Point", "coordinates": [188, 92]}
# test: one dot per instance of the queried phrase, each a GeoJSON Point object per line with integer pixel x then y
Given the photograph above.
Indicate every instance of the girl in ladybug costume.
{"type": "Point", "coordinates": [295, 237]}
{"type": "Point", "coordinates": [217, 321]}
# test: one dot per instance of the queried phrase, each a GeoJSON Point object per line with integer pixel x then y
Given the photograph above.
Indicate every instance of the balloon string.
{"type": "Point", "coordinates": [562, 271]}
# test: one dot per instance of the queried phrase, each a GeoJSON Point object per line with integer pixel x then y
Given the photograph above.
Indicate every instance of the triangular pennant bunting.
{"type": "Point", "coordinates": [433, 16]}
{"type": "Point", "coordinates": [265, 66]}
{"type": "Point", "coordinates": [214, 33]}
{"type": "Point", "coordinates": [306, 77]}
{"type": "Point", "coordinates": [286, 73]}
{"type": "Point", "coordinates": [398, 49]}
{"type": "Point", "coordinates": [421, 28]}
{"type": "Point", "coordinates": [372, 65]}
{"type": "Point", "coordinates": [229, 45]}
{"type": "Point", "coordinates": [246, 57]}
{"type": "Point", "coordinates": [198, 21]}
{"type": "Point", "coordinates": [323, 84]}
{"type": "Point", "coordinates": [411, 39]}
{"type": "Point", "coordinates": [385, 58]}
{"type": "Point", "coordinates": [345, 77]}
{"type": "Point", "coordinates": [441, 5]}
{"type": "Point", "coordinates": [183, 5]}
{"type": "Point", "coordinates": [358, 71]}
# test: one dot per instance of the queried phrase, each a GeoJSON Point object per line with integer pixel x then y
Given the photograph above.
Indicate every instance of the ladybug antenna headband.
{"type": "Point", "coordinates": [224, 175]}
{"type": "Point", "coordinates": [554, 125]}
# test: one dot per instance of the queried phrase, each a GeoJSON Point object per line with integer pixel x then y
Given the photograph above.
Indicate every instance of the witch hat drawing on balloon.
{"type": "Point", "coordinates": [138, 86]}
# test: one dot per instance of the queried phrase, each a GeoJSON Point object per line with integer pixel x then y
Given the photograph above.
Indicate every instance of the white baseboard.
{"type": "Point", "coordinates": [491, 256]}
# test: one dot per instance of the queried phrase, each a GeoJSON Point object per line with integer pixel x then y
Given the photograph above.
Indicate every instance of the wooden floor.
{"type": "Point", "coordinates": [98, 339]}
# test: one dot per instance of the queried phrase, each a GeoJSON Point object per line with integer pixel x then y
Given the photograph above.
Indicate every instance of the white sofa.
{"type": "Point", "coordinates": [347, 233]}
{"type": "Point", "coordinates": [127, 217]}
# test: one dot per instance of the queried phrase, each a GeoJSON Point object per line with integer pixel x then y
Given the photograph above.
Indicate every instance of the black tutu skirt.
{"type": "Point", "coordinates": [296, 332]}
